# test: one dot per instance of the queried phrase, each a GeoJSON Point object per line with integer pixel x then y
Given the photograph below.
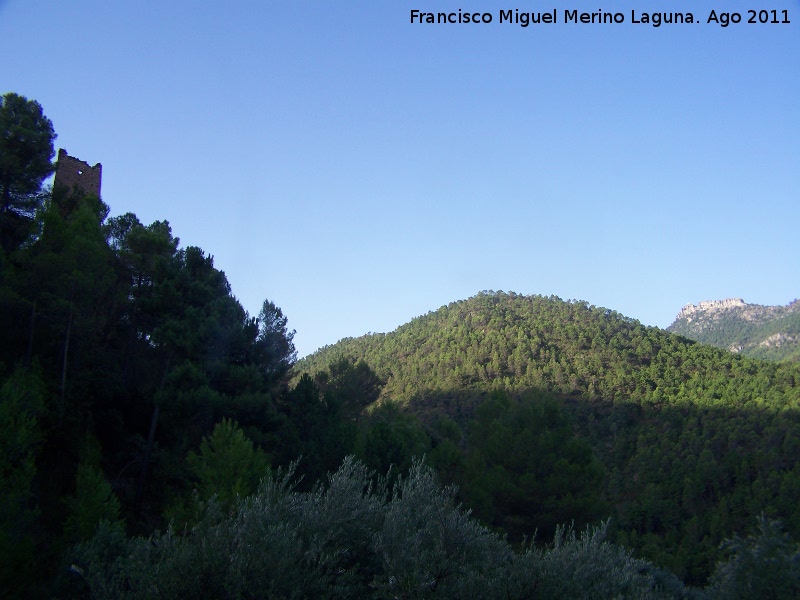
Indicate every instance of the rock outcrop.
{"type": "Point", "coordinates": [710, 306]}
{"type": "Point", "coordinates": [771, 332]}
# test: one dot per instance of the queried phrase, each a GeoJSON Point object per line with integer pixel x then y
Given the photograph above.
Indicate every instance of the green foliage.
{"type": "Point", "coordinates": [526, 469]}
{"type": "Point", "coordinates": [278, 543]}
{"type": "Point", "coordinates": [26, 149]}
{"type": "Point", "coordinates": [429, 546]}
{"type": "Point", "coordinates": [763, 565]}
{"type": "Point", "coordinates": [21, 408]}
{"type": "Point", "coordinates": [228, 465]}
{"type": "Point", "coordinates": [345, 540]}
{"type": "Point", "coordinates": [349, 385]}
{"type": "Point", "coordinates": [93, 502]}
{"type": "Point", "coordinates": [275, 340]}
{"type": "Point", "coordinates": [390, 439]}
{"type": "Point", "coordinates": [590, 567]}
{"type": "Point", "coordinates": [142, 347]}
{"type": "Point", "coordinates": [693, 439]}
{"type": "Point", "coordinates": [322, 416]}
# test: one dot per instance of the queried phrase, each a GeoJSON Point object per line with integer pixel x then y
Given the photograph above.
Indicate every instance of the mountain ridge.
{"type": "Point", "coordinates": [758, 331]}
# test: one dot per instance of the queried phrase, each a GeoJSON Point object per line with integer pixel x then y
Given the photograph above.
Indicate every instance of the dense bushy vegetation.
{"type": "Point", "coordinates": [360, 537]}
{"type": "Point", "coordinates": [120, 354]}
{"type": "Point", "coordinates": [152, 442]}
{"type": "Point", "coordinates": [354, 538]}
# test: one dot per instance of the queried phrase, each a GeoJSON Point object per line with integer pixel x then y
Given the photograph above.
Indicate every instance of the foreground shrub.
{"type": "Point", "coordinates": [354, 538]}
{"type": "Point", "coordinates": [763, 565]}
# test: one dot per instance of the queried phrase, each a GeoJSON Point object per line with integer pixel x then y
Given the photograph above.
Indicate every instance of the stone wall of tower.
{"type": "Point", "coordinates": [72, 172]}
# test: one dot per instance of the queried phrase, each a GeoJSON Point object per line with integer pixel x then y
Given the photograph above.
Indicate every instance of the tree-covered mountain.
{"type": "Point", "coordinates": [694, 441]}
{"type": "Point", "coordinates": [766, 332]}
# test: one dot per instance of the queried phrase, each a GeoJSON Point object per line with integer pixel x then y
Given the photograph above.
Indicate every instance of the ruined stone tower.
{"type": "Point", "coordinates": [72, 172]}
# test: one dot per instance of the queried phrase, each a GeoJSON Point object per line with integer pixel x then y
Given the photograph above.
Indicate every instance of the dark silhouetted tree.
{"type": "Point", "coordinates": [26, 149]}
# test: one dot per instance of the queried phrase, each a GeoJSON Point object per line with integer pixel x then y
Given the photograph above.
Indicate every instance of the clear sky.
{"type": "Point", "coordinates": [359, 170]}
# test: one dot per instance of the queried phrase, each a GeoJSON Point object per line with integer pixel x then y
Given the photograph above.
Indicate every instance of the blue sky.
{"type": "Point", "coordinates": [359, 170]}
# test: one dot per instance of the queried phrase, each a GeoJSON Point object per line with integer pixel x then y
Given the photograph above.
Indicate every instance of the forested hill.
{"type": "Point", "coordinates": [516, 342]}
{"type": "Point", "coordinates": [766, 332]}
{"type": "Point", "coordinates": [695, 441]}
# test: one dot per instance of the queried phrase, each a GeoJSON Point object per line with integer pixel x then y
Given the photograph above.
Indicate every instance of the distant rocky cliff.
{"type": "Point", "coordinates": [768, 332]}
{"type": "Point", "coordinates": [710, 306]}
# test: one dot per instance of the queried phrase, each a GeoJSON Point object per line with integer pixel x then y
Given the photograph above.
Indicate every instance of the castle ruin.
{"type": "Point", "coordinates": [75, 173]}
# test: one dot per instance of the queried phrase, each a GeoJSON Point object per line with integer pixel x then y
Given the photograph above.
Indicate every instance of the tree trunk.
{"type": "Point", "coordinates": [29, 353]}
{"type": "Point", "coordinates": [64, 370]}
{"type": "Point", "coordinates": [150, 440]}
